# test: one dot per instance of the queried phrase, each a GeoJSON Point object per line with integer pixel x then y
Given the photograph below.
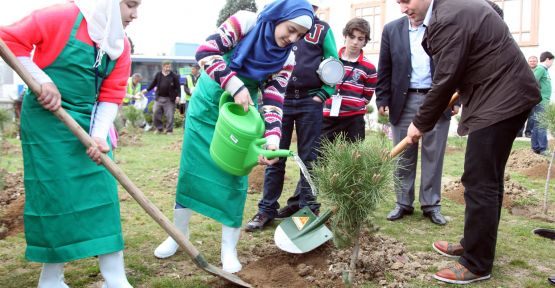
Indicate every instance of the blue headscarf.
{"type": "Point", "coordinates": [257, 55]}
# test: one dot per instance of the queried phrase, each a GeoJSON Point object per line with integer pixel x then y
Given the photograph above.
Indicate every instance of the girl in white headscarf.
{"type": "Point", "coordinates": [81, 58]}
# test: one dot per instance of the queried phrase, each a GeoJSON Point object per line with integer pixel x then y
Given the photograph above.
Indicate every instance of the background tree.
{"type": "Point", "coordinates": [232, 6]}
{"type": "Point", "coordinates": [546, 120]}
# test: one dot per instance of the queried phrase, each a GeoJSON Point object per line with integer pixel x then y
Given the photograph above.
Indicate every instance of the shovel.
{"type": "Point", "coordinates": [135, 192]}
{"type": "Point", "coordinates": [304, 231]}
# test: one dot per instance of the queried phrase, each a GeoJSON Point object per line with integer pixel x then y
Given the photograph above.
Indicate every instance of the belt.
{"type": "Point", "coordinates": [419, 90]}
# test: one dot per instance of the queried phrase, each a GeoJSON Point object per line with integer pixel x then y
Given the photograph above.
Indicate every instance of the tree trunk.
{"type": "Point", "coordinates": [354, 258]}
{"type": "Point", "coordinates": [547, 183]}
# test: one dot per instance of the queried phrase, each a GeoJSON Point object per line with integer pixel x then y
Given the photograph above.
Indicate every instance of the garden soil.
{"type": "Point", "coordinates": [514, 192]}
{"type": "Point", "coordinates": [12, 199]}
{"type": "Point", "coordinates": [529, 164]}
{"type": "Point", "coordinates": [382, 260]}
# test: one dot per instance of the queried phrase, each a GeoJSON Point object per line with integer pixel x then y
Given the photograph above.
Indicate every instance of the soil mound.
{"type": "Point", "coordinates": [514, 192]}
{"type": "Point", "coordinates": [523, 159]}
{"type": "Point", "coordinates": [12, 200]}
{"type": "Point", "coordinates": [323, 267]}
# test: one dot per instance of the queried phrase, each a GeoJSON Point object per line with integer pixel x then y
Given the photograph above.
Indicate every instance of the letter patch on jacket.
{"type": "Point", "coordinates": [314, 37]}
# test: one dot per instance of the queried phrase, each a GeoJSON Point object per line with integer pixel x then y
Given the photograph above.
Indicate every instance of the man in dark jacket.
{"type": "Point", "coordinates": [473, 51]}
{"type": "Point", "coordinates": [167, 95]}
{"type": "Point", "coordinates": [302, 110]}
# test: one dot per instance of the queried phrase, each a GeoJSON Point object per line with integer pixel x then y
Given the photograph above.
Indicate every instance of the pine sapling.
{"type": "Point", "coordinates": [353, 178]}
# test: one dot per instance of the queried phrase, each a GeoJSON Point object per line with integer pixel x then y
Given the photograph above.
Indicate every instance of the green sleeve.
{"type": "Point", "coordinates": [538, 73]}
{"type": "Point", "coordinates": [330, 50]}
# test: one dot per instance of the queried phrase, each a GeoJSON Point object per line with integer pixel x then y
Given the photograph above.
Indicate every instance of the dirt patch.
{"type": "Point", "coordinates": [170, 177]}
{"type": "Point", "coordinates": [452, 150]}
{"type": "Point", "coordinates": [268, 266]}
{"type": "Point", "coordinates": [12, 200]}
{"type": "Point", "coordinates": [514, 192]}
{"type": "Point", "coordinates": [256, 179]}
{"type": "Point", "coordinates": [538, 171]}
{"type": "Point", "coordinates": [535, 212]}
{"type": "Point", "coordinates": [10, 149]}
{"type": "Point", "coordinates": [130, 139]}
{"type": "Point", "coordinates": [524, 159]}
{"type": "Point", "coordinates": [176, 146]}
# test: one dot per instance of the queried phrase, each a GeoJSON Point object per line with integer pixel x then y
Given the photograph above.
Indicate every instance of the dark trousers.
{"type": "Point", "coordinates": [166, 107]}
{"type": "Point", "coordinates": [352, 127]}
{"type": "Point", "coordinates": [305, 116]}
{"type": "Point", "coordinates": [487, 152]}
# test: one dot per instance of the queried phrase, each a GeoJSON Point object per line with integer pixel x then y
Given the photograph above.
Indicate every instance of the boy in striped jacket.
{"type": "Point", "coordinates": [344, 111]}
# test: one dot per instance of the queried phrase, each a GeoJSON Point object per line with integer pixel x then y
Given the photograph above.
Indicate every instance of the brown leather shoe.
{"type": "Point", "coordinates": [458, 274]}
{"type": "Point", "coordinates": [448, 249]}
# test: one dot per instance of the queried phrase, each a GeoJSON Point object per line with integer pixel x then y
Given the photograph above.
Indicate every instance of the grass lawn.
{"type": "Point", "coordinates": [522, 260]}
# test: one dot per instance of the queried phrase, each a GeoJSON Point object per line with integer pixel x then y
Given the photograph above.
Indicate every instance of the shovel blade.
{"type": "Point", "coordinates": [301, 233]}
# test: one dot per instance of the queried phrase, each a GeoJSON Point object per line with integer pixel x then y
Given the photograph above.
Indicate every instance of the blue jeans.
{"type": "Point", "coordinates": [539, 133]}
{"type": "Point", "coordinates": [305, 115]}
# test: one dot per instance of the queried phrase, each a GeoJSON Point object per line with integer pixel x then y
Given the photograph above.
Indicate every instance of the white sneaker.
{"type": "Point", "coordinates": [181, 218]}
{"type": "Point", "coordinates": [230, 237]}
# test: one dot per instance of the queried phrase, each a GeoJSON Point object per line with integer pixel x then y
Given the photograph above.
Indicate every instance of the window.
{"type": "Point", "coordinates": [373, 12]}
{"type": "Point", "coordinates": [522, 18]}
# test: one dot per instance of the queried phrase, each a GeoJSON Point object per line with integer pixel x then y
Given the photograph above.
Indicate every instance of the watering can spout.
{"type": "Point", "coordinates": [256, 148]}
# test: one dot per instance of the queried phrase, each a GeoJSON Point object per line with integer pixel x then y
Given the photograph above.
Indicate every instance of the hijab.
{"type": "Point", "coordinates": [257, 55]}
{"type": "Point", "coordinates": [104, 26]}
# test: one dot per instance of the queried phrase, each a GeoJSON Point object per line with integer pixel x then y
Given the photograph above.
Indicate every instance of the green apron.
{"type": "Point", "coordinates": [203, 186]}
{"type": "Point", "coordinates": [71, 208]}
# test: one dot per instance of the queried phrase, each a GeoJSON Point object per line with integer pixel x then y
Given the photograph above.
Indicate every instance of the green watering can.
{"type": "Point", "coordinates": [237, 140]}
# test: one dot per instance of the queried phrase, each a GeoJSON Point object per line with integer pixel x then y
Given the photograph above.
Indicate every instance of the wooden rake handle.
{"type": "Point", "coordinates": [401, 146]}
{"type": "Point", "coordinates": [135, 192]}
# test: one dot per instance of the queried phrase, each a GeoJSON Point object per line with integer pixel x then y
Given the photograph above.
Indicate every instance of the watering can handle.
{"type": "Point", "coordinates": [226, 96]}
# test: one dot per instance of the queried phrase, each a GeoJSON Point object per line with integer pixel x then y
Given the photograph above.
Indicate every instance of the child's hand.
{"type": "Point", "coordinates": [95, 152]}
{"type": "Point", "coordinates": [265, 161]}
{"type": "Point", "coordinates": [243, 98]}
{"type": "Point", "coordinates": [50, 98]}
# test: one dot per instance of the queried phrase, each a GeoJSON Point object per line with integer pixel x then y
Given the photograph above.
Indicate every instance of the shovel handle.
{"type": "Point", "coordinates": [401, 146]}
{"type": "Point", "coordinates": [133, 190]}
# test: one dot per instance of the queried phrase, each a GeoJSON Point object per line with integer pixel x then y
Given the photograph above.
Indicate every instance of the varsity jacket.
{"type": "Point", "coordinates": [317, 45]}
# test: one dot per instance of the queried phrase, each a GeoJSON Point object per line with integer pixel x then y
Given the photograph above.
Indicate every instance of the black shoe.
{"type": "Point", "coordinates": [258, 222]}
{"type": "Point", "coordinates": [286, 212]}
{"type": "Point", "coordinates": [551, 280]}
{"type": "Point", "coordinates": [398, 213]}
{"type": "Point", "coordinates": [546, 233]}
{"type": "Point", "coordinates": [436, 217]}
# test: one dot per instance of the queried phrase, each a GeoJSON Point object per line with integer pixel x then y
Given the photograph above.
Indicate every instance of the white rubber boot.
{"type": "Point", "coordinates": [181, 221]}
{"type": "Point", "coordinates": [52, 276]}
{"type": "Point", "coordinates": [230, 237]}
{"type": "Point", "coordinates": [113, 270]}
